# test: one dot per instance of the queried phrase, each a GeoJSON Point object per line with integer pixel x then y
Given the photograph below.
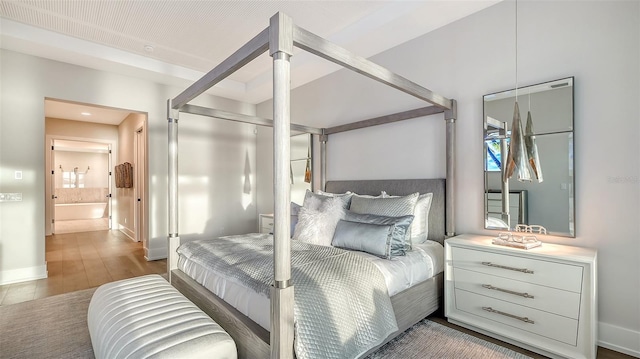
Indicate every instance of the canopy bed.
{"type": "Point", "coordinates": [409, 305]}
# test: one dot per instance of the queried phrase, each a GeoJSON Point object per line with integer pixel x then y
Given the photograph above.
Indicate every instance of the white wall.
{"type": "Point", "coordinates": [93, 168]}
{"type": "Point", "coordinates": [125, 200]}
{"type": "Point", "coordinates": [598, 42]}
{"type": "Point", "coordinates": [25, 82]}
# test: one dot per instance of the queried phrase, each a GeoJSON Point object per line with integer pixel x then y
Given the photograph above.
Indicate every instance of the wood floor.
{"type": "Point", "coordinates": [84, 260]}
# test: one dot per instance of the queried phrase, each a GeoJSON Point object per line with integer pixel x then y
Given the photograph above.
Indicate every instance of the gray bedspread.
{"type": "Point", "coordinates": [341, 309]}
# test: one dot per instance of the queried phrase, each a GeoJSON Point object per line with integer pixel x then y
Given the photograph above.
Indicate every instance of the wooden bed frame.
{"type": "Point", "coordinates": [409, 306]}
{"type": "Point", "coordinates": [279, 39]}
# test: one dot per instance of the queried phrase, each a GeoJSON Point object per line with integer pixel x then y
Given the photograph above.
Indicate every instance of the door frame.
{"type": "Point", "coordinates": [141, 219]}
{"type": "Point", "coordinates": [50, 172]}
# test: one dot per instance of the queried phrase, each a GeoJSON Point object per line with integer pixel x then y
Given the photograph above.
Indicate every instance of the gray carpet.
{"type": "Point", "coordinates": [53, 327]}
{"type": "Point", "coordinates": [56, 327]}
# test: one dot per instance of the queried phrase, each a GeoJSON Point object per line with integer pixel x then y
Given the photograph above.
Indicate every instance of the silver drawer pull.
{"type": "Point", "coordinates": [523, 319]}
{"type": "Point", "coordinates": [523, 270]}
{"type": "Point", "coordinates": [489, 286]}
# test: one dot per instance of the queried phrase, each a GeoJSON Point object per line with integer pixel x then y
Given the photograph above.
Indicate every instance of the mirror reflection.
{"type": "Point", "coordinates": [301, 176]}
{"type": "Point", "coordinates": [547, 201]}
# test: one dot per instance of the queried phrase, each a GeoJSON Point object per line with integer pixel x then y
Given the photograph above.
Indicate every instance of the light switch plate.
{"type": "Point", "coordinates": [18, 175]}
{"type": "Point", "coordinates": [10, 197]}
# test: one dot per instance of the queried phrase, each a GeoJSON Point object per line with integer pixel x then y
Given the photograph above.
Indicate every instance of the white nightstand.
{"type": "Point", "coordinates": [265, 223]}
{"type": "Point", "coordinates": [542, 299]}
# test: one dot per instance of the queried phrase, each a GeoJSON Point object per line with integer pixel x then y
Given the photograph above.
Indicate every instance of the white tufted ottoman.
{"type": "Point", "coordinates": [146, 317]}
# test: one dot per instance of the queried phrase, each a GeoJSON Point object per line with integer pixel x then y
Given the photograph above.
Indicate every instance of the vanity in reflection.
{"type": "Point", "coordinates": [549, 203]}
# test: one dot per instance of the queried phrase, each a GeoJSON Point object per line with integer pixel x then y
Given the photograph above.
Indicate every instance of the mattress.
{"type": "Point", "coordinates": [400, 273]}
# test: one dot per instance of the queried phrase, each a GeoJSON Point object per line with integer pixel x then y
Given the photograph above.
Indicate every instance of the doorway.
{"type": "Point", "coordinates": [80, 186]}
{"type": "Point", "coordinates": [125, 136]}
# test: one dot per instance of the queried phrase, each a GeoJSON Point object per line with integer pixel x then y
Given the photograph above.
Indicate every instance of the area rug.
{"type": "Point", "coordinates": [430, 340]}
{"type": "Point", "coordinates": [56, 327]}
{"type": "Point", "coordinates": [52, 327]}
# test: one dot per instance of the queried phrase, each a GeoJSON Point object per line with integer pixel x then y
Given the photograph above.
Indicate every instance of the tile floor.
{"type": "Point", "coordinates": [84, 260]}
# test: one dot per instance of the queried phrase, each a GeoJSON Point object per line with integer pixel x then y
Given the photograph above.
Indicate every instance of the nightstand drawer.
{"type": "Point", "coordinates": [534, 296]}
{"type": "Point", "coordinates": [546, 273]}
{"type": "Point", "coordinates": [534, 321]}
{"type": "Point", "coordinates": [266, 224]}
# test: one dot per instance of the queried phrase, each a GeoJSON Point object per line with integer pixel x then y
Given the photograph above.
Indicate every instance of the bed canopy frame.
{"type": "Point", "coordinates": [279, 38]}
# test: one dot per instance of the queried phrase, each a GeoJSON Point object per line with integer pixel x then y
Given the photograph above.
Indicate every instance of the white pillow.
{"type": "Point", "coordinates": [317, 220]}
{"type": "Point", "coordinates": [369, 196]}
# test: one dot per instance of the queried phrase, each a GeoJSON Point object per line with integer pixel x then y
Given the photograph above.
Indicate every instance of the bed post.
{"type": "Point", "coordinates": [173, 239]}
{"type": "Point", "coordinates": [323, 159]}
{"type": "Point", "coordinates": [450, 117]}
{"type": "Point", "coordinates": [281, 49]}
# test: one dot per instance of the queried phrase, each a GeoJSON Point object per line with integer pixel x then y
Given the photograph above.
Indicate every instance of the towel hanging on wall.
{"type": "Point", "coordinates": [124, 175]}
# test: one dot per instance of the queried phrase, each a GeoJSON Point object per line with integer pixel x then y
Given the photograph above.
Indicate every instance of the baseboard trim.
{"type": "Point", "coordinates": [620, 339]}
{"type": "Point", "coordinates": [23, 274]}
{"type": "Point", "coordinates": [152, 254]}
{"type": "Point", "coordinates": [127, 232]}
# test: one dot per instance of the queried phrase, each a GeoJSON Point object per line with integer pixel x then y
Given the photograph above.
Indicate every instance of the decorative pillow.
{"type": "Point", "coordinates": [345, 197]}
{"type": "Point", "coordinates": [295, 209]}
{"type": "Point", "coordinates": [363, 237]}
{"type": "Point", "coordinates": [329, 194]}
{"type": "Point", "coordinates": [369, 196]}
{"type": "Point", "coordinates": [317, 220]}
{"type": "Point", "coordinates": [420, 225]}
{"type": "Point", "coordinates": [364, 232]}
{"type": "Point", "coordinates": [389, 207]}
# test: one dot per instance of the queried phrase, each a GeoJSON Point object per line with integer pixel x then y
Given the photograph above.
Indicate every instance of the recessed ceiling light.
{"type": "Point", "coordinates": [85, 113]}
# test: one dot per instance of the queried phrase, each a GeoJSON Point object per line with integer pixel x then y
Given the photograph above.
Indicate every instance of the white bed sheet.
{"type": "Point", "coordinates": [423, 262]}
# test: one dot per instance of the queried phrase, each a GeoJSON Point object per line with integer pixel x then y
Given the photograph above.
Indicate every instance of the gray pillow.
{"type": "Point", "coordinates": [420, 225]}
{"type": "Point", "coordinates": [363, 237]}
{"type": "Point", "coordinates": [321, 195]}
{"type": "Point", "coordinates": [388, 207]}
{"type": "Point", "coordinates": [395, 244]}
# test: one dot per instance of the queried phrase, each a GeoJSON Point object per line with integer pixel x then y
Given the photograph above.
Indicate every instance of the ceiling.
{"type": "Point", "coordinates": [176, 42]}
{"type": "Point", "coordinates": [83, 112]}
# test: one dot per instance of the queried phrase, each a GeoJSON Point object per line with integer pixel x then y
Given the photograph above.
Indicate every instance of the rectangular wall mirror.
{"type": "Point", "coordinates": [549, 203]}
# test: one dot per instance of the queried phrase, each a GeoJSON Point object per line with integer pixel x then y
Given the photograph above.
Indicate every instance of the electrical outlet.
{"type": "Point", "coordinates": [125, 221]}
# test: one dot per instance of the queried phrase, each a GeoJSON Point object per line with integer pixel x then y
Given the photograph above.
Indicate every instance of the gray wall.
{"type": "Point", "coordinates": [597, 42]}
{"type": "Point", "coordinates": [205, 166]}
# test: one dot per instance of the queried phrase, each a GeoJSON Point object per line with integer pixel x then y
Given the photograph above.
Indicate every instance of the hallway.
{"type": "Point", "coordinates": [77, 261]}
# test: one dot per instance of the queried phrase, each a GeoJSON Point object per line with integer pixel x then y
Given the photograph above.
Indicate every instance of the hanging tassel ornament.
{"type": "Point", "coordinates": [517, 156]}
{"type": "Point", "coordinates": [307, 170]}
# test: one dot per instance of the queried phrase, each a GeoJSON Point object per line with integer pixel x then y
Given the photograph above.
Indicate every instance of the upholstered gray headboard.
{"type": "Point", "coordinates": [402, 188]}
